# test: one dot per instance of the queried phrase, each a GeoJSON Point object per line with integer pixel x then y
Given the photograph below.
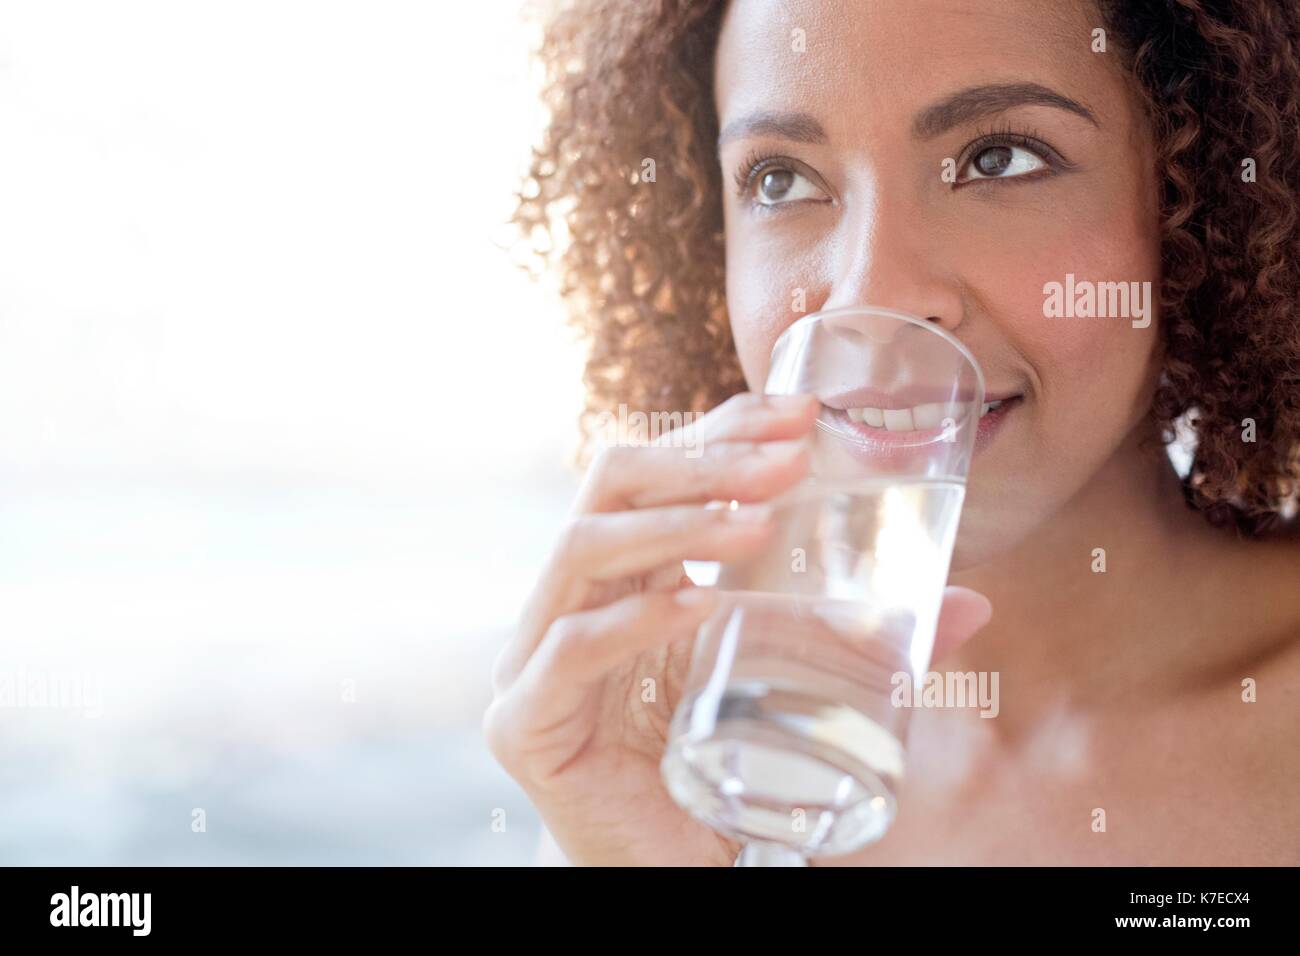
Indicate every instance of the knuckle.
{"type": "Point", "coordinates": [610, 462]}
{"type": "Point", "coordinates": [501, 674]}
{"type": "Point", "coordinates": [727, 417]}
{"type": "Point", "coordinates": [574, 537]}
{"type": "Point", "coordinates": [717, 420]}
{"type": "Point", "coordinates": [724, 461]}
{"type": "Point", "coordinates": [566, 640]}
{"type": "Point", "coordinates": [711, 473]}
{"type": "Point", "coordinates": [497, 734]}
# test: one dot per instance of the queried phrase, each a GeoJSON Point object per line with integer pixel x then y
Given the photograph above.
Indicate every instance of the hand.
{"type": "Point", "coordinates": [613, 609]}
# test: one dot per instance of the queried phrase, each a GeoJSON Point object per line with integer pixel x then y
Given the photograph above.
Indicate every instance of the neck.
{"type": "Point", "coordinates": [1064, 632]}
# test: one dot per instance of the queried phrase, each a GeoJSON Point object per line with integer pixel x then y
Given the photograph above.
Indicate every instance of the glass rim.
{"type": "Point", "coordinates": [943, 333]}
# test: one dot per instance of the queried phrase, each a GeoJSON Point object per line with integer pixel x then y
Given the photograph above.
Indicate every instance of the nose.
{"type": "Point", "coordinates": [889, 258]}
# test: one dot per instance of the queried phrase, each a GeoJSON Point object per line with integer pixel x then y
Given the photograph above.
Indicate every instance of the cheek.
{"type": "Point", "coordinates": [1082, 361]}
{"type": "Point", "coordinates": [764, 281]}
{"type": "Point", "coordinates": [1093, 378]}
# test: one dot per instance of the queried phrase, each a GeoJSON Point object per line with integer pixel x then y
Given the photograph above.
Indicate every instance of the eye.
{"type": "Point", "coordinates": [767, 182]}
{"type": "Point", "coordinates": [777, 185]}
{"type": "Point", "coordinates": [1001, 161]}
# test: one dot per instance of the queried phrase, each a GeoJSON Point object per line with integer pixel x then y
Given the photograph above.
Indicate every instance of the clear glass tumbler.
{"type": "Point", "coordinates": [786, 734]}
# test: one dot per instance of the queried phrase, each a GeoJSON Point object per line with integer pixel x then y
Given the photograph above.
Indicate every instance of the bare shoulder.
{"type": "Point", "coordinates": [1273, 676]}
{"type": "Point", "coordinates": [1254, 716]}
{"type": "Point", "coordinates": [1268, 677]}
{"type": "Point", "coordinates": [1272, 667]}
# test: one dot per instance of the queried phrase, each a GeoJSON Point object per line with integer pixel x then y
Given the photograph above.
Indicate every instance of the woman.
{"type": "Point", "coordinates": [953, 159]}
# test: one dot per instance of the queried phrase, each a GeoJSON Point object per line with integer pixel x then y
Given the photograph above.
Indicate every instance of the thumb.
{"type": "Point", "coordinates": [963, 613]}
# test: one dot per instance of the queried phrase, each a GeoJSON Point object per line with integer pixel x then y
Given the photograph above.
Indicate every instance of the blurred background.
{"type": "Point", "coordinates": [284, 434]}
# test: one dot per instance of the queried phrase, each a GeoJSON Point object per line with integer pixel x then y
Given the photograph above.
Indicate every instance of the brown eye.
{"type": "Point", "coordinates": [994, 160]}
{"type": "Point", "coordinates": [775, 184]}
{"type": "Point", "coordinates": [1002, 162]}
{"type": "Point", "coordinates": [780, 186]}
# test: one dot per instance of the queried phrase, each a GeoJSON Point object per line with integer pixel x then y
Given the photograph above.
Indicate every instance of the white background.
{"type": "Point", "coordinates": [276, 414]}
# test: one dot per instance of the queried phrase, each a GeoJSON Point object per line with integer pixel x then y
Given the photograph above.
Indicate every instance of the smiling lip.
{"type": "Point", "coordinates": [905, 397]}
{"type": "Point", "coordinates": [878, 440]}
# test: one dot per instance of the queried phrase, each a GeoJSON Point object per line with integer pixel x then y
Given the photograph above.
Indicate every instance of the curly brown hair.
{"type": "Point", "coordinates": [642, 270]}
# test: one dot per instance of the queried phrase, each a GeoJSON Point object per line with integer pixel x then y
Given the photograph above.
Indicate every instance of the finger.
{"type": "Point", "coordinates": [652, 476]}
{"type": "Point", "coordinates": [607, 547]}
{"type": "Point", "coordinates": [752, 416]}
{"type": "Point", "coordinates": [580, 649]}
{"type": "Point", "coordinates": [672, 469]}
{"type": "Point", "coordinates": [963, 613]}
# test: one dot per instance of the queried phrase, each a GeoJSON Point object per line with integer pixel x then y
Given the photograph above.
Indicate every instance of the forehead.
{"type": "Point", "coordinates": [889, 54]}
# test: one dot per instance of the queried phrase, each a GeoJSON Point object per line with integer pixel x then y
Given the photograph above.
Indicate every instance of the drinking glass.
{"type": "Point", "coordinates": [786, 736]}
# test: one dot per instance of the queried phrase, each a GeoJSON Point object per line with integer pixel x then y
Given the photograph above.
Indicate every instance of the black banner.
{"type": "Point", "coordinates": [333, 905]}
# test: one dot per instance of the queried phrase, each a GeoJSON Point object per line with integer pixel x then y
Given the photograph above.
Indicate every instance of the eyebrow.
{"type": "Point", "coordinates": [963, 106]}
{"type": "Point", "coordinates": [799, 127]}
{"type": "Point", "coordinates": [977, 102]}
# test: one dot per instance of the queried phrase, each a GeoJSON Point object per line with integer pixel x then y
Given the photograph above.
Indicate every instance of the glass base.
{"type": "Point", "coordinates": [781, 766]}
{"type": "Point", "coordinates": [769, 854]}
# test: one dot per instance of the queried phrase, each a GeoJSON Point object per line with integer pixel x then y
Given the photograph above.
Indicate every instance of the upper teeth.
{"type": "Point", "coordinates": [917, 417]}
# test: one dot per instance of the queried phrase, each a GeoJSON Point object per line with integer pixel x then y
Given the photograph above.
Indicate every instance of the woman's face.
{"type": "Point", "coordinates": [950, 158]}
